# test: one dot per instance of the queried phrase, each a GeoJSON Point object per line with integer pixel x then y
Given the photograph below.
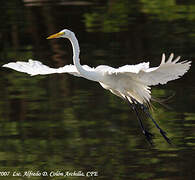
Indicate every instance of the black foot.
{"type": "Point", "coordinates": [163, 133]}
{"type": "Point", "coordinates": [149, 136]}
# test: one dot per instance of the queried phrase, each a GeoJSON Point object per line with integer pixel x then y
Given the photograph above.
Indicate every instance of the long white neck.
{"type": "Point", "coordinates": [76, 51]}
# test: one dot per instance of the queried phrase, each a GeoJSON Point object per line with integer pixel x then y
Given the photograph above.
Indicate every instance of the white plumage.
{"type": "Point", "coordinates": [129, 81]}
{"type": "Point", "coordinates": [34, 67]}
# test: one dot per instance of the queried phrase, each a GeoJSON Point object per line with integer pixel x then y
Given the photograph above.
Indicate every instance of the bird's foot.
{"type": "Point", "coordinates": [148, 136]}
{"type": "Point", "coordinates": [163, 133]}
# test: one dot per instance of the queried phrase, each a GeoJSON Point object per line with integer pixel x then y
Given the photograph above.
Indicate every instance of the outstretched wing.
{"type": "Point", "coordinates": [33, 68]}
{"type": "Point", "coordinates": [133, 81]}
{"type": "Point", "coordinates": [166, 71]}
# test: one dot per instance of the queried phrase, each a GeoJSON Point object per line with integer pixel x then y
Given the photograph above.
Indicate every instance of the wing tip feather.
{"type": "Point", "coordinates": [5, 65]}
{"type": "Point", "coordinates": [163, 59]}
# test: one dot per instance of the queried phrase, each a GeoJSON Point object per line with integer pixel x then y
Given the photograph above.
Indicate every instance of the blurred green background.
{"type": "Point", "coordinates": [60, 122]}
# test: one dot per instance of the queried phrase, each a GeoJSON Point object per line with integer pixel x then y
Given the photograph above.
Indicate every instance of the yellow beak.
{"type": "Point", "coordinates": [57, 35]}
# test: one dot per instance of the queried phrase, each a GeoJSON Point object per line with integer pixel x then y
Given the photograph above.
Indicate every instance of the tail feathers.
{"type": "Point", "coordinates": [139, 92]}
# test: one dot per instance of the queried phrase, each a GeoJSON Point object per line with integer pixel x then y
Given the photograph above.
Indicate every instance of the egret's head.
{"type": "Point", "coordinates": [62, 34]}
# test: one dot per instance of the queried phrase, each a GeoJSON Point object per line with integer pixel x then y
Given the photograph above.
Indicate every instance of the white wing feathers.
{"type": "Point", "coordinates": [165, 72]}
{"type": "Point", "coordinates": [33, 68]}
{"type": "Point", "coordinates": [130, 68]}
{"type": "Point", "coordinates": [126, 81]}
{"type": "Point", "coordinates": [134, 80]}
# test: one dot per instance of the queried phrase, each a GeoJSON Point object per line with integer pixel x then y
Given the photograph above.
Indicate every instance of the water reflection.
{"type": "Point", "coordinates": [60, 122]}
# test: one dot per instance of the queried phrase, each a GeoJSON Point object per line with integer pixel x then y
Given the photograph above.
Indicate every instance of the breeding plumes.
{"type": "Point", "coordinates": [130, 82]}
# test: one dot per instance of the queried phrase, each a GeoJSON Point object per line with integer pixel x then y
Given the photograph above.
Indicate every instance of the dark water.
{"type": "Point", "coordinates": [63, 123]}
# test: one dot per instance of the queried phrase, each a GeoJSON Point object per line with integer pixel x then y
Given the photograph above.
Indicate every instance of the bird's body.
{"type": "Point", "coordinates": [130, 82]}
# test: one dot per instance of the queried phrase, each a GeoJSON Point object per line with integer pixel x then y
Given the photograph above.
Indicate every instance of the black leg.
{"type": "Point", "coordinates": [147, 134]}
{"type": "Point", "coordinates": [146, 110]}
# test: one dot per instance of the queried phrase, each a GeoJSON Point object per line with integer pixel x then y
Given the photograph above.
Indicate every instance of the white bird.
{"type": "Point", "coordinates": [130, 82]}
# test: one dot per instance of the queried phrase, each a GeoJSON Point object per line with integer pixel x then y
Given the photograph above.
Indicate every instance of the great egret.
{"type": "Point", "coordinates": [130, 82]}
